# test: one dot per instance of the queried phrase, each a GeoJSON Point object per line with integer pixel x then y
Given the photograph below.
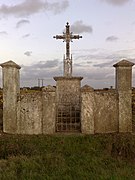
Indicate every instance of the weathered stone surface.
{"type": "Point", "coordinates": [11, 89]}
{"type": "Point", "coordinates": [49, 112]}
{"type": "Point", "coordinates": [87, 112]}
{"type": "Point", "coordinates": [123, 75]}
{"type": "Point", "coordinates": [86, 88]}
{"type": "Point", "coordinates": [36, 113]}
{"type": "Point", "coordinates": [124, 89]}
{"type": "Point", "coordinates": [68, 104]}
{"type": "Point", "coordinates": [125, 111]}
{"type": "Point", "coordinates": [99, 112]}
{"type": "Point", "coordinates": [49, 88]}
{"type": "Point", "coordinates": [10, 64]}
{"type": "Point", "coordinates": [30, 121]}
{"type": "Point", "coordinates": [106, 112]}
{"type": "Point", "coordinates": [124, 63]}
{"type": "Point", "coordinates": [68, 89]}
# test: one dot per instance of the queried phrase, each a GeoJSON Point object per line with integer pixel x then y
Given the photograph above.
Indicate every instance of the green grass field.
{"type": "Point", "coordinates": [67, 157]}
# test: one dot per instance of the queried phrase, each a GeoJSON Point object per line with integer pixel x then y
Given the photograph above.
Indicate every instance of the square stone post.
{"type": "Point", "coordinates": [124, 89]}
{"type": "Point", "coordinates": [11, 89]}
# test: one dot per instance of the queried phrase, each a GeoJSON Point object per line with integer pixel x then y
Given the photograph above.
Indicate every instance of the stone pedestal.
{"type": "Point", "coordinates": [124, 89]}
{"type": "Point", "coordinates": [11, 90]}
{"type": "Point", "coordinates": [68, 89]}
{"type": "Point", "coordinates": [68, 108]}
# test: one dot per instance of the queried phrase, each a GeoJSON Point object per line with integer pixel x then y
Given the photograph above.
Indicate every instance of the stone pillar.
{"type": "Point", "coordinates": [124, 89]}
{"type": "Point", "coordinates": [87, 110]}
{"type": "Point", "coordinates": [11, 90]}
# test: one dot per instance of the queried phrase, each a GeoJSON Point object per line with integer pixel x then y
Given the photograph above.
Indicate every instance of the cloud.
{"type": "Point", "coordinates": [95, 77]}
{"type": "Point", "coordinates": [58, 7]}
{"type": "Point", "coordinates": [117, 2]}
{"type": "Point", "coordinates": [22, 23]}
{"type": "Point", "coordinates": [28, 53]}
{"type": "Point", "coordinates": [25, 35]}
{"type": "Point", "coordinates": [133, 23]}
{"type": "Point", "coordinates": [44, 69]}
{"type": "Point", "coordinates": [30, 7]}
{"type": "Point", "coordinates": [80, 27]}
{"type": "Point", "coordinates": [112, 38]}
{"type": "Point", "coordinates": [106, 64]}
{"type": "Point", "coordinates": [3, 33]}
{"type": "Point", "coordinates": [102, 58]}
{"type": "Point", "coordinates": [42, 65]}
{"type": "Point", "coordinates": [91, 55]}
{"type": "Point", "coordinates": [95, 65]}
{"type": "Point", "coordinates": [51, 64]}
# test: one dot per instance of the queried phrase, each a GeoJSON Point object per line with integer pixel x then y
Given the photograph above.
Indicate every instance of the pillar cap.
{"type": "Point", "coordinates": [10, 64]}
{"type": "Point", "coordinates": [123, 63]}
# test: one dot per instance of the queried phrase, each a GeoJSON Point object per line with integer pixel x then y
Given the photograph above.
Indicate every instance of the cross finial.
{"type": "Point", "coordinates": [67, 37]}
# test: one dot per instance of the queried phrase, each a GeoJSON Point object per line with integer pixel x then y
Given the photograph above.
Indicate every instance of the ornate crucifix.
{"type": "Point", "coordinates": [67, 37]}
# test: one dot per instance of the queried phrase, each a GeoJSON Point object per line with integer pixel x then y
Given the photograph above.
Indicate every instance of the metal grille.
{"type": "Point", "coordinates": [68, 118]}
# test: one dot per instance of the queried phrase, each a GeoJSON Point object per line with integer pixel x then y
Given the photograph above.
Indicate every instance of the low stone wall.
{"type": "Point", "coordinates": [36, 113]}
{"type": "Point", "coordinates": [30, 113]}
{"type": "Point", "coordinates": [106, 112]}
{"type": "Point", "coordinates": [99, 111]}
{"type": "Point", "coordinates": [49, 111]}
{"type": "Point", "coordinates": [87, 110]}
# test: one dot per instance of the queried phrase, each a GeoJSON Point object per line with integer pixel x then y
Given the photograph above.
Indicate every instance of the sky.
{"type": "Point", "coordinates": [27, 28]}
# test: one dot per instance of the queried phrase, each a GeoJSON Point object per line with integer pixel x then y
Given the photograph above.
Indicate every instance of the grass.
{"type": "Point", "coordinates": [77, 157]}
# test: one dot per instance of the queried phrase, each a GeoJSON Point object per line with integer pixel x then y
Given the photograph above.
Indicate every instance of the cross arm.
{"type": "Point", "coordinates": [59, 37]}
{"type": "Point", "coordinates": [76, 37]}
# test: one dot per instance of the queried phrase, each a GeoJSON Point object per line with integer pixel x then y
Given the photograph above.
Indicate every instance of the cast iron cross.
{"type": "Point", "coordinates": [67, 37]}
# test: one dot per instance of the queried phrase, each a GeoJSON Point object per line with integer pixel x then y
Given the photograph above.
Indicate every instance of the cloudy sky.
{"type": "Point", "coordinates": [27, 28]}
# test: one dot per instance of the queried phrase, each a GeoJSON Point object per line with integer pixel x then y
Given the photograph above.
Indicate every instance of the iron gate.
{"type": "Point", "coordinates": [68, 118]}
